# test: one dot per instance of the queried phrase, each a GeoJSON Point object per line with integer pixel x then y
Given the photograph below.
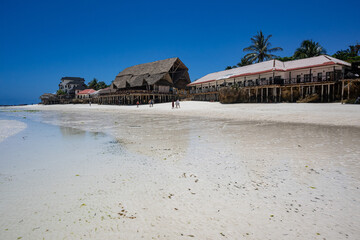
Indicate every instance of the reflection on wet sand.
{"type": "Point", "coordinates": [258, 180]}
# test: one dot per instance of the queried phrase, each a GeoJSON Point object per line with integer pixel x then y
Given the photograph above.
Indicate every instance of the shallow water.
{"type": "Point", "coordinates": [177, 177]}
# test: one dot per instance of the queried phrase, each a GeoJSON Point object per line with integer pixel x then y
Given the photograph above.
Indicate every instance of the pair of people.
{"type": "Point", "coordinates": [151, 103]}
{"type": "Point", "coordinates": [177, 104]}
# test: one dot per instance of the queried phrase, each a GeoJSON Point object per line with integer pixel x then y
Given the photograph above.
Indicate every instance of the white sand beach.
{"type": "Point", "coordinates": [313, 113]}
{"type": "Point", "coordinates": [9, 128]}
{"type": "Point", "coordinates": [204, 171]}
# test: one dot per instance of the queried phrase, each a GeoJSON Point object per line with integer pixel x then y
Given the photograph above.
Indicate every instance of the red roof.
{"type": "Point", "coordinates": [87, 91]}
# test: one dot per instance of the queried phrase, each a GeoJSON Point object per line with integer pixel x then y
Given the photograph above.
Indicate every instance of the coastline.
{"type": "Point", "coordinates": [195, 172]}
{"type": "Point", "coordinates": [332, 114]}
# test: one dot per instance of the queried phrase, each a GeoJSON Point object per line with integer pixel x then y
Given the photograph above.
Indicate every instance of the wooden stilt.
{"type": "Point", "coordinates": [256, 94]}
{"type": "Point", "coordinates": [348, 94]}
{"type": "Point", "coordinates": [329, 93]}
{"type": "Point", "coordinates": [291, 93]}
{"type": "Point", "coordinates": [322, 93]}
{"type": "Point", "coordinates": [280, 96]}
{"type": "Point", "coordinates": [275, 94]}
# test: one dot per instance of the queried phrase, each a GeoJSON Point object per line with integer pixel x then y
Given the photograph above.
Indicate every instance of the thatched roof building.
{"type": "Point", "coordinates": [49, 98]}
{"type": "Point", "coordinates": [155, 76]}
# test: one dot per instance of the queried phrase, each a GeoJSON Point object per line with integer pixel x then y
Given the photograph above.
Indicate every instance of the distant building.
{"type": "Point", "coordinates": [158, 81]}
{"type": "Point", "coordinates": [158, 77]}
{"type": "Point", "coordinates": [70, 84]}
{"type": "Point", "coordinates": [85, 93]}
{"type": "Point", "coordinates": [49, 98]}
{"type": "Point", "coordinates": [266, 81]}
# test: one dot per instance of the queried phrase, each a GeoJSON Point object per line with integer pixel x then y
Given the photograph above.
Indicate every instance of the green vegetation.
{"type": "Point", "coordinates": [94, 84]}
{"type": "Point", "coordinates": [60, 92]}
{"type": "Point", "coordinates": [309, 48]}
{"type": "Point", "coordinates": [351, 54]}
{"type": "Point", "coordinates": [261, 50]}
{"type": "Point", "coordinates": [30, 111]}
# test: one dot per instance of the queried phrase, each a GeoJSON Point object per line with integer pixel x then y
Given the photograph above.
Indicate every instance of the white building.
{"type": "Point", "coordinates": [70, 84]}
{"type": "Point", "coordinates": [274, 72]}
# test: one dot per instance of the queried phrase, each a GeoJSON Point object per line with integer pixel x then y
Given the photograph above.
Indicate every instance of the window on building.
{"type": "Point", "coordinates": [307, 77]}
{"type": "Point", "coordinates": [328, 76]}
{"type": "Point", "coordinates": [319, 76]}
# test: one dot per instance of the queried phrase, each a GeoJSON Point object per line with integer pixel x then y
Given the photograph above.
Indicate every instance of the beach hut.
{"type": "Point", "coordinates": [158, 81]}
{"type": "Point", "coordinates": [49, 98]}
{"type": "Point", "coordinates": [158, 76]}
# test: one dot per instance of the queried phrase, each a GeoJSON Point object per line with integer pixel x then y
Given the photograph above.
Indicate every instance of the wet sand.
{"type": "Point", "coordinates": [181, 174]}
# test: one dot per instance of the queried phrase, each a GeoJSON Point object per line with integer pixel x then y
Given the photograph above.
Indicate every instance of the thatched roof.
{"type": "Point", "coordinates": [48, 97]}
{"type": "Point", "coordinates": [168, 71]}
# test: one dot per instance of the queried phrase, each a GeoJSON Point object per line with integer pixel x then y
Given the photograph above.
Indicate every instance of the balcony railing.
{"type": "Point", "coordinates": [276, 81]}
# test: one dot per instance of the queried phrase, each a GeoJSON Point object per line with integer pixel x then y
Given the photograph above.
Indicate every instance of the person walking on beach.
{"type": "Point", "coordinates": [172, 104]}
{"type": "Point", "coordinates": [137, 104]}
{"type": "Point", "coordinates": [150, 103]}
{"type": "Point", "coordinates": [90, 103]}
{"type": "Point", "coordinates": [177, 103]}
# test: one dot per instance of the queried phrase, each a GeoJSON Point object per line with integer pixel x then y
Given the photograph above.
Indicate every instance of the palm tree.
{"type": "Point", "coordinates": [309, 48]}
{"type": "Point", "coordinates": [260, 49]}
{"type": "Point", "coordinates": [354, 49]}
{"type": "Point", "coordinates": [244, 62]}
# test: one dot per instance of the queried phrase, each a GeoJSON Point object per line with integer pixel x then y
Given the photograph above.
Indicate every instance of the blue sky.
{"type": "Point", "coordinates": [42, 41]}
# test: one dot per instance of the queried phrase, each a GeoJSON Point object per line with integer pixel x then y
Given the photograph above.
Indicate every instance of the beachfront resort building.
{"type": "Point", "coordinates": [70, 84]}
{"type": "Point", "coordinates": [159, 81]}
{"type": "Point", "coordinates": [267, 81]}
{"type": "Point", "coordinates": [84, 94]}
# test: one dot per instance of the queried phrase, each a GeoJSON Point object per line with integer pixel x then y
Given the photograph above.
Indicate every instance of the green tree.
{"type": "Point", "coordinates": [93, 84]}
{"type": "Point", "coordinates": [228, 67]}
{"type": "Point", "coordinates": [342, 55]}
{"type": "Point", "coordinates": [309, 48]}
{"type": "Point", "coordinates": [260, 50]}
{"type": "Point", "coordinates": [354, 50]}
{"type": "Point", "coordinates": [285, 59]}
{"type": "Point", "coordinates": [350, 55]}
{"type": "Point", "coordinates": [101, 85]}
{"type": "Point", "coordinates": [244, 62]}
{"type": "Point", "coordinates": [60, 92]}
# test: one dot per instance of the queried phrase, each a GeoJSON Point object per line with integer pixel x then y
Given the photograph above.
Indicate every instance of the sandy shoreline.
{"type": "Point", "coordinates": [335, 114]}
{"type": "Point", "coordinates": [205, 171]}
{"type": "Point", "coordinates": [9, 128]}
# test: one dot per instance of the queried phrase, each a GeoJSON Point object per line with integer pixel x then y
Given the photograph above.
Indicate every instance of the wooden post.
{"type": "Point", "coordinates": [334, 92]}
{"type": "Point", "coordinates": [302, 91]}
{"type": "Point", "coordinates": [267, 95]}
{"type": "Point", "coordinates": [348, 95]}
{"type": "Point", "coordinates": [280, 94]}
{"type": "Point", "coordinates": [256, 94]}
{"type": "Point", "coordinates": [329, 93]}
{"type": "Point", "coordinates": [261, 100]}
{"type": "Point", "coordinates": [274, 94]}
{"type": "Point", "coordinates": [322, 92]}
{"type": "Point", "coordinates": [291, 93]}
{"type": "Point", "coordinates": [342, 92]}
{"type": "Point", "coordinates": [249, 95]}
